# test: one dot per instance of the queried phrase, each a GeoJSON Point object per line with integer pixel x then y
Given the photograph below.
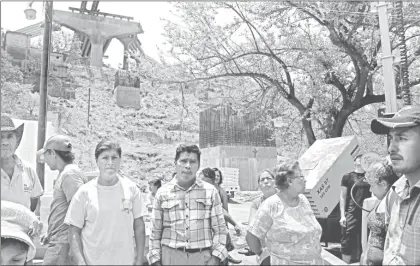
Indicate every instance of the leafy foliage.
{"type": "Point", "coordinates": [9, 72]}
{"type": "Point", "coordinates": [315, 63]}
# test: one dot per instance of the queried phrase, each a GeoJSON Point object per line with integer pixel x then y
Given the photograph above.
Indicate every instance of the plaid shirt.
{"type": "Point", "coordinates": [402, 244]}
{"type": "Point", "coordinates": [188, 219]}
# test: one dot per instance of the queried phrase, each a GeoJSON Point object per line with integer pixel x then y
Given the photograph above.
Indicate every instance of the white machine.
{"type": "Point", "coordinates": [230, 180]}
{"type": "Point", "coordinates": [323, 165]}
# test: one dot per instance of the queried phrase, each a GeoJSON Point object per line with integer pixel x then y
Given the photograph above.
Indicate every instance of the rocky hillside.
{"type": "Point", "coordinates": [148, 136]}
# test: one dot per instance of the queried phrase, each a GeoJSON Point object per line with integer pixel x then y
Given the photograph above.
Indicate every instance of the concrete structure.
{"type": "Point", "coordinates": [98, 28]}
{"type": "Point", "coordinates": [249, 160]}
{"type": "Point", "coordinates": [131, 45]}
{"type": "Point", "coordinates": [17, 45]}
{"type": "Point", "coordinates": [129, 97]}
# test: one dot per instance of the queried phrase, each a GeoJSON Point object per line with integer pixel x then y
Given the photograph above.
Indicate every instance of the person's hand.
{"type": "Point", "coordinates": [44, 239]}
{"type": "Point", "coordinates": [238, 230]}
{"type": "Point", "coordinates": [363, 259]}
{"type": "Point", "coordinates": [343, 221]}
{"type": "Point", "coordinates": [213, 261]}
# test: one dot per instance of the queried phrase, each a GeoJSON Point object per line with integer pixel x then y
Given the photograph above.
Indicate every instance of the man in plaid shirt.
{"type": "Point", "coordinates": [188, 227]}
{"type": "Point", "coordinates": [402, 244]}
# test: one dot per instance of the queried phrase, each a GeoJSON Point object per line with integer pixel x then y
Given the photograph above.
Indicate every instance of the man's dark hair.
{"type": "Point", "coordinates": [189, 149]}
{"type": "Point", "coordinates": [209, 173]}
{"type": "Point", "coordinates": [66, 156]}
{"type": "Point", "coordinates": [220, 174]}
{"type": "Point", "coordinates": [156, 182]}
{"type": "Point", "coordinates": [357, 157]}
{"type": "Point", "coordinates": [105, 145]}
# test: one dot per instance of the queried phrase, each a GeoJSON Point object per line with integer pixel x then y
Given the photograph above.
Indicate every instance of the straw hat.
{"type": "Point", "coordinates": [18, 222]}
{"type": "Point", "coordinates": [8, 125]}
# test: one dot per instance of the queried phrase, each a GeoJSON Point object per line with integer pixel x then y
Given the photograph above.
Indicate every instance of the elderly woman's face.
{"type": "Point", "coordinates": [109, 163]}
{"type": "Point", "coordinates": [13, 254]}
{"type": "Point", "coordinates": [298, 181]}
{"type": "Point", "coordinates": [266, 181]}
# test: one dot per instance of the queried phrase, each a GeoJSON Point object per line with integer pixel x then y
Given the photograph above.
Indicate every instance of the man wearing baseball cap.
{"type": "Point", "coordinates": [402, 244]}
{"type": "Point", "coordinates": [58, 154]}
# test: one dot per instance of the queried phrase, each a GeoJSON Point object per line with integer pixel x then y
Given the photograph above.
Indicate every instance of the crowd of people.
{"type": "Point", "coordinates": [107, 220]}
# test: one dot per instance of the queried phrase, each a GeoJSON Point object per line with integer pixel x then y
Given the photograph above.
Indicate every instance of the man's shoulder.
{"type": "Point", "coordinates": [74, 171]}
{"type": "Point", "coordinates": [349, 174]}
{"type": "Point", "coordinates": [208, 186]}
{"type": "Point", "coordinates": [165, 189]}
{"type": "Point", "coordinates": [24, 164]}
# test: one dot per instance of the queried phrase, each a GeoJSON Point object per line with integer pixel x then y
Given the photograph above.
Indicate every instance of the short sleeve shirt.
{"type": "Point", "coordinates": [23, 185]}
{"type": "Point", "coordinates": [360, 192]}
{"type": "Point", "coordinates": [292, 234]}
{"type": "Point", "coordinates": [66, 185]}
{"type": "Point", "coordinates": [106, 216]}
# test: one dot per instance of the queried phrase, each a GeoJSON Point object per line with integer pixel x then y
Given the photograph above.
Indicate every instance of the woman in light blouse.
{"type": "Point", "coordinates": [380, 177]}
{"type": "Point", "coordinates": [286, 222]}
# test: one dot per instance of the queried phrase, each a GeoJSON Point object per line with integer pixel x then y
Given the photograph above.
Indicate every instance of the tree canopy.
{"type": "Point", "coordinates": [322, 59]}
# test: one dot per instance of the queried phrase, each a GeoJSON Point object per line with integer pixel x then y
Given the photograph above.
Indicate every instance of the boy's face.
{"type": "Point", "coordinates": [153, 189]}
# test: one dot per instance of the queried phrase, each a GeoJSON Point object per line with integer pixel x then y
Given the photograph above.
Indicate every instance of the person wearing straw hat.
{"type": "Point", "coordinates": [18, 228]}
{"type": "Point", "coordinates": [58, 154]}
{"type": "Point", "coordinates": [402, 244]}
{"type": "Point", "coordinates": [19, 181]}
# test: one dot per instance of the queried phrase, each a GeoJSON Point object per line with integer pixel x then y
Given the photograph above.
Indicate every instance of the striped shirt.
{"type": "Point", "coordinates": [23, 185]}
{"type": "Point", "coordinates": [188, 219]}
{"type": "Point", "coordinates": [402, 244]}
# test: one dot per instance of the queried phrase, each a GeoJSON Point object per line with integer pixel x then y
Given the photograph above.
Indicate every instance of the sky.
{"type": "Point", "coordinates": [149, 15]}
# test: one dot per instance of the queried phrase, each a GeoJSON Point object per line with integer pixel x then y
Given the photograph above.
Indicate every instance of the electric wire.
{"type": "Point", "coordinates": [352, 197]}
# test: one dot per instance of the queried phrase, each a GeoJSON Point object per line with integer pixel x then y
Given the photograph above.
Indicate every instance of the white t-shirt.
{"type": "Point", "coordinates": [106, 215]}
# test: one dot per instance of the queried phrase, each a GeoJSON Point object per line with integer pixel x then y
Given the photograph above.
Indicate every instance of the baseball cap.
{"type": "Point", "coordinates": [408, 116]}
{"type": "Point", "coordinates": [58, 143]}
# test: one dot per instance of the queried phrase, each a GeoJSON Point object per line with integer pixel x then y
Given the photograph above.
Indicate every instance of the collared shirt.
{"type": "Point", "coordinates": [188, 219]}
{"type": "Point", "coordinates": [402, 244]}
{"type": "Point", "coordinates": [23, 185]}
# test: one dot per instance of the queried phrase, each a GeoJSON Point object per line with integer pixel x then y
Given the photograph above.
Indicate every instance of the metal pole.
{"type": "Point", "coordinates": [403, 50]}
{"type": "Point", "coordinates": [88, 108]}
{"type": "Point", "coordinates": [43, 91]}
{"type": "Point", "coordinates": [387, 60]}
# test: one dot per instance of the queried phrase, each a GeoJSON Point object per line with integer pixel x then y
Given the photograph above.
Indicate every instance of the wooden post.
{"type": "Point", "coordinates": [43, 90]}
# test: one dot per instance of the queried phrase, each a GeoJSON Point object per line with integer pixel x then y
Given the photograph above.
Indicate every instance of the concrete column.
{"type": "Point", "coordinates": [125, 57]}
{"type": "Point", "coordinates": [126, 41]}
{"type": "Point", "coordinates": [96, 53]}
{"type": "Point", "coordinates": [98, 29]}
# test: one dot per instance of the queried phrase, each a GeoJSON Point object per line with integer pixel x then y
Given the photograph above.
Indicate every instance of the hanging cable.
{"type": "Point", "coordinates": [352, 197]}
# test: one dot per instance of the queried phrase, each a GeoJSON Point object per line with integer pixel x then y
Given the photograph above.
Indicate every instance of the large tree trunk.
{"type": "Point", "coordinates": [310, 135]}
{"type": "Point", "coordinates": [339, 123]}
